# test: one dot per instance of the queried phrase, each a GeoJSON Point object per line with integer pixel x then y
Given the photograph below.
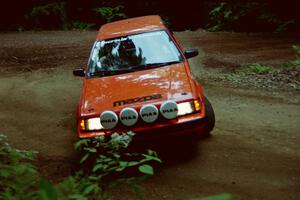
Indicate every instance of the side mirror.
{"type": "Point", "coordinates": [189, 53]}
{"type": "Point", "coordinates": [79, 72]}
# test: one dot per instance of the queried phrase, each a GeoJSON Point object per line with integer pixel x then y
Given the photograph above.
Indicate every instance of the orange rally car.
{"type": "Point", "coordinates": [138, 79]}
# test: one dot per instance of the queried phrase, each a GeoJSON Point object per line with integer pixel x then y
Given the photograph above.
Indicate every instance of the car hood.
{"type": "Point", "coordinates": [135, 89]}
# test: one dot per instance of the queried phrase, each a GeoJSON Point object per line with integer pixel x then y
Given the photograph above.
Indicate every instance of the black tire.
{"type": "Point", "coordinates": [209, 119]}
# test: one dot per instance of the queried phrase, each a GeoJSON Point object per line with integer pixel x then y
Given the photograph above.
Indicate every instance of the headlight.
{"type": "Point", "coordinates": [91, 124]}
{"type": "Point", "coordinates": [188, 107]}
{"type": "Point", "coordinates": [185, 108]}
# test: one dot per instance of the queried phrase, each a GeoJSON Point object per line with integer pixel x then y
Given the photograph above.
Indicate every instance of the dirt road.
{"type": "Point", "coordinates": [254, 151]}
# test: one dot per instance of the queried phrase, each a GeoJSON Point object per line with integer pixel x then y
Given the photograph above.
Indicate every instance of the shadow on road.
{"type": "Point", "coordinates": [172, 151]}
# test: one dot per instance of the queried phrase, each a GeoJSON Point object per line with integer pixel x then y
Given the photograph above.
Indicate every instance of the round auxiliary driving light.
{"type": "Point", "coordinates": [149, 113]}
{"type": "Point", "coordinates": [128, 116]}
{"type": "Point", "coordinates": [169, 109]}
{"type": "Point", "coordinates": [109, 119]}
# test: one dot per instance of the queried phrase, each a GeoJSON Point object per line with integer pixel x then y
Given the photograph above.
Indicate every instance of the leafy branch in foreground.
{"type": "Point", "coordinates": [104, 164]}
{"type": "Point", "coordinates": [105, 159]}
{"type": "Point", "coordinates": [18, 176]}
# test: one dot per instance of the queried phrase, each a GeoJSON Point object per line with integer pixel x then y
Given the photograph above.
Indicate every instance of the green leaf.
{"type": "Point", "coordinates": [224, 196]}
{"type": "Point", "coordinates": [295, 62]}
{"type": "Point", "coordinates": [152, 155]}
{"type": "Point", "coordinates": [296, 48]}
{"type": "Point", "coordinates": [257, 68]}
{"type": "Point", "coordinates": [137, 190]}
{"type": "Point", "coordinates": [133, 163]}
{"type": "Point", "coordinates": [84, 158]}
{"type": "Point", "coordinates": [4, 173]}
{"type": "Point", "coordinates": [122, 165]}
{"type": "Point", "coordinates": [47, 191]}
{"type": "Point", "coordinates": [88, 189]}
{"type": "Point", "coordinates": [146, 169]}
{"type": "Point", "coordinates": [93, 178]}
{"type": "Point", "coordinates": [78, 197]}
{"type": "Point", "coordinates": [80, 143]}
{"type": "Point", "coordinates": [89, 149]}
{"type": "Point", "coordinates": [97, 167]}
{"type": "Point", "coordinates": [227, 14]}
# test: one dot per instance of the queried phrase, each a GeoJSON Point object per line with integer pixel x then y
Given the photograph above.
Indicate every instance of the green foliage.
{"type": "Point", "coordinates": [146, 169]}
{"type": "Point", "coordinates": [109, 157]}
{"type": "Point", "coordinates": [283, 25]}
{"type": "Point", "coordinates": [51, 15]}
{"type": "Point", "coordinates": [234, 16]}
{"type": "Point", "coordinates": [47, 9]}
{"type": "Point", "coordinates": [256, 68]}
{"type": "Point", "coordinates": [47, 191]}
{"type": "Point", "coordinates": [235, 77]}
{"type": "Point", "coordinates": [224, 196]}
{"type": "Point", "coordinates": [80, 187]}
{"type": "Point", "coordinates": [104, 159]}
{"type": "Point", "coordinates": [296, 48]}
{"type": "Point", "coordinates": [223, 14]}
{"type": "Point", "coordinates": [110, 13]}
{"type": "Point", "coordinates": [218, 18]}
{"type": "Point", "coordinates": [77, 25]}
{"type": "Point", "coordinates": [285, 73]}
{"type": "Point", "coordinates": [269, 17]}
{"type": "Point", "coordinates": [292, 63]}
{"type": "Point", "coordinates": [295, 62]}
{"type": "Point", "coordinates": [247, 70]}
{"type": "Point", "coordinates": [19, 178]}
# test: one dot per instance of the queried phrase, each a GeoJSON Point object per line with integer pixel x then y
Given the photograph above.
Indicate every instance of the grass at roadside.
{"type": "Point", "coordinates": [256, 68]}
{"type": "Point", "coordinates": [267, 76]}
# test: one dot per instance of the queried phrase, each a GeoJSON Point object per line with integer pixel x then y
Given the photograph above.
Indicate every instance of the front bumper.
{"type": "Point", "coordinates": [185, 125]}
{"type": "Point", "coordinates": [188, 128]}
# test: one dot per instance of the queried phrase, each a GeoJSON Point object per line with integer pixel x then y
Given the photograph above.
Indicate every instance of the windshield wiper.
{"type": "Point", "coordinates": [126, 70]}
{"type": "Point", "coordinates": [111, 72]}
{"type": "Point", "coordinates": [153, 65]}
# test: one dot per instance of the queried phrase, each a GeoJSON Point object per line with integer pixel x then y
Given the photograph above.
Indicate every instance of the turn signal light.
{"type": "Point", "coordinates": [82, 125]}
{"type": "Point", "coordinates": [197, 105]}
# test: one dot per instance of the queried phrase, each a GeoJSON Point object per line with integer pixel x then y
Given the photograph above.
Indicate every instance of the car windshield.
{"type": "Point", "coordinates": [132, 53]}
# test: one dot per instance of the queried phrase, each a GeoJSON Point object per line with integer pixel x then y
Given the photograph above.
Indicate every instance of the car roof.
{"type": "Point", "coordinates": [130, 26]}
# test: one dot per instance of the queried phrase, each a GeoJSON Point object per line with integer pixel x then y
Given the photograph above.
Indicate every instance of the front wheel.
{"type": "Point", "coordinates": [209, 119]}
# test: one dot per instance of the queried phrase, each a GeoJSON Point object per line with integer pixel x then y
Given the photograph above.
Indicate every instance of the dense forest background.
{"type": "Point", "coordinates": [213, 15]}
